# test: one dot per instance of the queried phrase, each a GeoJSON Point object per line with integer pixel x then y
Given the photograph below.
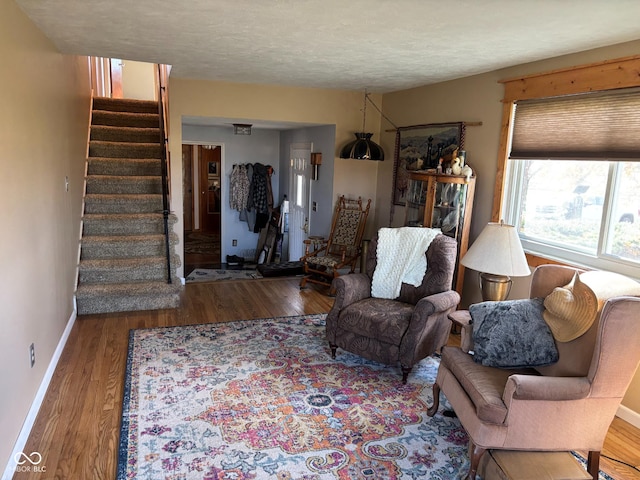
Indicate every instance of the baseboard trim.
{"type": "Point", "coordinates": [38, 399]}
{"type": "Point", "coordinates": [628, 415]}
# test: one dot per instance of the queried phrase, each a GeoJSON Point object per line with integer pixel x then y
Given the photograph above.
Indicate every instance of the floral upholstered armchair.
{"type": "Point", "coordinates": [404, 329]}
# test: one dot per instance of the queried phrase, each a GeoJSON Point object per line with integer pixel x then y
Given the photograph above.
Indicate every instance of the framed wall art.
{"type": "Point", "coordinates": [420, 148]}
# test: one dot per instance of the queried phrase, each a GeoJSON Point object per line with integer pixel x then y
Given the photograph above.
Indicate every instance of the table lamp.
{"type": "Point", "coordinates": [497, 254]}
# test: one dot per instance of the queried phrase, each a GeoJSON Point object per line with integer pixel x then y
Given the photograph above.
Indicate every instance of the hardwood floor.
{"type": "Point", "coordinates": [77, 429]}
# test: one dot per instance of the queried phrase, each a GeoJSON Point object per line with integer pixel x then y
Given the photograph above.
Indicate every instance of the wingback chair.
{"type": "Point", "coordinates": [568, 405]}
{"type": "Point", "coordinates": [402, 330]}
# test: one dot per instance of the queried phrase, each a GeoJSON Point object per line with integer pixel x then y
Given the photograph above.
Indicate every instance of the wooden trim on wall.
{"type": "Point", "coordinates": [503, 152]}
{"type": "Point", "coordinates": [535, 261]}
{"type": "Point", "coordinates": [607, 75]}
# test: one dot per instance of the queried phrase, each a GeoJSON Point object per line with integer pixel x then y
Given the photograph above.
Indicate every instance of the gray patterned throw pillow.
{"type": "Point", "coordinates": [512, 334]}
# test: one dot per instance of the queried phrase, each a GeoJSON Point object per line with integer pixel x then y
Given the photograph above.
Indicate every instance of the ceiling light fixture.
{"type": "Point", "coordinates": [363, 148]}
{"type": "Point", "coordinates": [242, 128]}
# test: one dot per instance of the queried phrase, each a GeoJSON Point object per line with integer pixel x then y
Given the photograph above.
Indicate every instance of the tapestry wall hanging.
{"type": "Point", "coordinates": [421, 147]}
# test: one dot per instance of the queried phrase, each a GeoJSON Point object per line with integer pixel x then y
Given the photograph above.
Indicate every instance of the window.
{"type": "Point", "coordinates": [568, 171]}
{"type": "Point", "coordinates": [585, 212]}
{"type": "Point", "coordinates": [574, 180]}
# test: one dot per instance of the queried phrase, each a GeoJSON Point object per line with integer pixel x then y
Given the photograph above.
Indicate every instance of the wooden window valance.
{"type": "Point", "coordinates": [595, 77]}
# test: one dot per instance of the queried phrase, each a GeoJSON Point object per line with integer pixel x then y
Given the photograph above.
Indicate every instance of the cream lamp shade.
{"type": "Point", "coordinates": [497, 254]}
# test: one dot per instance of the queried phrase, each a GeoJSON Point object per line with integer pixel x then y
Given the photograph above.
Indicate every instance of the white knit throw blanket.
{"type": "Point", "coordinates": [401, 259]}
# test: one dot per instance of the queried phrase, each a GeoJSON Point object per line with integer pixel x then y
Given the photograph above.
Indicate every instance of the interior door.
{"type": "Point", "coordinates": [299, 195]}
{"type": "Point", "coordinates": [210, 188]}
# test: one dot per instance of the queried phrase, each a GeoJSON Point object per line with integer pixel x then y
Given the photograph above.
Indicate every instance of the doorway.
{"type": "Point", "coordinates": [300, 193]}
{"type": "Point", "coordinates": [209, 188]}
{"type": "Point", "coordinates": [118, 78]}
{"type": "Point", "coordinates": [202, 194]}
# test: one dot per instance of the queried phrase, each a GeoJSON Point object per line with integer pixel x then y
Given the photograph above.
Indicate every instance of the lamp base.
{"type": "Point", "coordinates": [494, 288]}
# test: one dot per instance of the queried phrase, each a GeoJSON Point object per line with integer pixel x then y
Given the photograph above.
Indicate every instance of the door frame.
{"type": "Point", "coordinates": [224, 185]}
{"type": "Point", "coordinates": [294, 226]}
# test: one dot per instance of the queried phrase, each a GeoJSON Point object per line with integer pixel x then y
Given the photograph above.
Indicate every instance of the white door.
{"type": "Point", "coordinates": [299, 194]}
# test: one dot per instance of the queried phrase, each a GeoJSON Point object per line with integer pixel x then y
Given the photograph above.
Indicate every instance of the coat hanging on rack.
{"type": "Point", "coordinates": [251, 194]}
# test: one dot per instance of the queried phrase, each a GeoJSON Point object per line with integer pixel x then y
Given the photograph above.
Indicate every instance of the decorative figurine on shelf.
{"type": "Point", "coordinates": [467, 172]}
{"type": "Point", "coordinates": [456, 169]}
{"type": "Point", "coordinates": [449, 154]}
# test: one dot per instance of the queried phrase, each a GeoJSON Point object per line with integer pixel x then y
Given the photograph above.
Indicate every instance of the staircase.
{"type": "Point", "coordinates": [123, 264]}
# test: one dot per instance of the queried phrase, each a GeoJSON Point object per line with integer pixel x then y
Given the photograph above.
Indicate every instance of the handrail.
{"type": "Point", "coordinates": [164, 167]}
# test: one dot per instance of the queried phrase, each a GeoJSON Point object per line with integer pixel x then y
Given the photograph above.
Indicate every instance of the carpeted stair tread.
{"type": "Point", "coordinates": [126, 263]}
{"type": "Point", "coordinates": [122, 246]}
{"type": "Point", "coordinates": [125, 105]}
{"type": "Point", "coordinates": [125, 184]}
{"type": "Point", "coordinates": [130, 296]}
{"type": "Point", "coordinates": [97, 289]}
{"type": "Point", "coordinates": [124, 119]}
{"type": "Point", "coordinates": [138, 217]}
{"type": "Point", "coordinates": [122, 203]}
{"type": "Point", "coordinates": [98, 148]}
{"type": "Point", "coordinates": [109, 133]}
{"type": "Point", "coordinates": [128, 238]}
{"type": "Point", "coordinates": [119, 270]}
{"type": "Point", "coordinates": [124, 166]}
{"type": "Point", "coordinates": [125, 223]}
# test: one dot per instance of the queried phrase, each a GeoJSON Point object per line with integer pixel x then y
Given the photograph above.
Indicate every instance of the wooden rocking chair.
{"type": "Point", "coordinates": [324, 258]}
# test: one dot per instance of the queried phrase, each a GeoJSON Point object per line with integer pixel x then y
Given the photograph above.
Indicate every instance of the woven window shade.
{"type": "Point", "coordinates": [587, 126]}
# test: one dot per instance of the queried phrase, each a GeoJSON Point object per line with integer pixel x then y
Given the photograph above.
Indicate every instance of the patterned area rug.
{"type": "Point", "coordinates": [263, 399]}
{"type": "Point", "coordinates": [258, 399]}
{"type": "Point", "coordinates": [215, 275]}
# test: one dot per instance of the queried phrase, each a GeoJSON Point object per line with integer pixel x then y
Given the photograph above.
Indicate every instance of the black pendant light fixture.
{"type": "Point", "coordinates": [363, 148]}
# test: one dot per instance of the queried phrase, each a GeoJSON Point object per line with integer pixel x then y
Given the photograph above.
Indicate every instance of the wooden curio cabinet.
{"type": "Point", "coordinates": [446, 202]}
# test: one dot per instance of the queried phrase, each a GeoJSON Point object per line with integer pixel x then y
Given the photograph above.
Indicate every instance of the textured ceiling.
{"type": "Point", "coordinates": [380, 45]}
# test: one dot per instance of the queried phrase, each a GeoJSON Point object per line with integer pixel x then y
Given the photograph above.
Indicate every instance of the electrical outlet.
{"type": "Point", "coordinates": [32, 354]}
{"type": "Point", "coordinates": [234, 242]}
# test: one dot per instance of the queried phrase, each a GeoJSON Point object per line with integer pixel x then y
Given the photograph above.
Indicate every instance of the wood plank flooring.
{"type": "Point", "coordinates": [77, 429]}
